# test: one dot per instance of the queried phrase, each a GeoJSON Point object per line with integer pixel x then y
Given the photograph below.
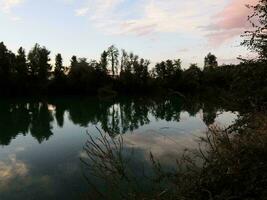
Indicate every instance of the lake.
{"type": "Point", "coordinates": [42, 140]}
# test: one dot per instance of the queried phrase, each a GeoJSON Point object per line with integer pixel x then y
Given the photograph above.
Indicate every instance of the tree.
{"type": "Point", "coordinates": [168, 69]}
{"type": "Point", "coordinates": [210, 61]}
{"type": "Point", "coordinates": [7, 69]}
{"type": "Point", "coordinates": [59, 69]}
{"type": "Point", "coordinates": [78, 65]}
{"type": "Point", "coordinates": [177, 65]}
{"type": "Point", "coordinates": [3, 59]}
{"type": "Point", "coordinates": [160, 70]}
{"type": "Point", "coordinates": [38, 61]}
{"type": "Point", "coordinates": [144, 63]}
{"type": "Point", "coordinates": [21, 63]}
{"type": "Point", "coordinates": [140, 69]}
{"type": "Point", "coordinates": [124, 60]}
{"type": "Point", "coordinates": [82, 75]}
{"type": "Point", "coordinates": [73, 62]}
{"type": "Point", "coordinates": [104, 62]}
{"type": "Point", "coordinates": [21, 70]}
{"type": "Point", "coordinates": [7, 59]}
{"type": "Point", "coordinates": [191, 78]}
{"type": "Point", "coordinates": [113, 54]}
{"type": "Point", "coordinates": [256, 39]}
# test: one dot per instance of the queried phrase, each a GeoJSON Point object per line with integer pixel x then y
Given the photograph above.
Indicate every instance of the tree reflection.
{"type": "Point", "coordinates": [41, 119]}
{"type": "Point", "coordinates": [14, 119]}
{"type": "Point", "coordinates": [115, 116]}
{"type": "Point", "coordinates": [23, 118]}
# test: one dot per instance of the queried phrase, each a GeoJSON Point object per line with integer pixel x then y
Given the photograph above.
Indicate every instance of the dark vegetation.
{"type": "Point", "coordinates": [126, 73]}
{"type": "Point", "coordinates": [32, 74]}
{"type": "Point", "coordinates": [114, 116]}
{"type": "Point", "coordinates": [230, 163]}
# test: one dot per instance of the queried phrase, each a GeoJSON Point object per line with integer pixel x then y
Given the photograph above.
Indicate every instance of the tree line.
{"type": "Point", "coordinates": [117, 116]}
{"type": "Point", "coordinates": [120, 72]}
{"type": "Point", "coordinates": [126, 73]}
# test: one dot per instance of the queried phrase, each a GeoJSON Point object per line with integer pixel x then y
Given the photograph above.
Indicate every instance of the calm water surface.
{"type": "Point", "coordinates": [41, 141]}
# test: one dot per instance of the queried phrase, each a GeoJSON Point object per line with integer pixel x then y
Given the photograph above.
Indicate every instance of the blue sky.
{"type": "Point", "coordinates": [154, 29]}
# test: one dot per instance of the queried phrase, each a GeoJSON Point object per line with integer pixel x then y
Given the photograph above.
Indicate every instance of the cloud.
{"type": "Point", "coordinates": [217, 38]}
{"type": "Point", "coordinates": [98, 9]}
{"type": "Point", "coordinates": [12, 169]}
{"type": "Point", "coordinates": [81, 11]}
{"type": "Point", "coordinates": [165, 147]}
{"type": "Point", "coordinates": [145, 17]}
{"type": "Point", "coordinates": [6, 7]}
{"type": "Point", "coordinates": [183, 50]}
{"type": "Point", "coordinates": [217, 22]}
{"type": "Point", "coordinates": [230, 22]}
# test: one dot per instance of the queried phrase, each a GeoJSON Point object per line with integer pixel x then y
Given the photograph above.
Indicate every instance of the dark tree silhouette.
{"type": "Point", "coordinates": [192, 78]}
{"type": "Point", "coordinates": [124, 60]}
{"type": "Point", "coordinates": [113, 54]}
{"type": "Point", "coordinates": [33, 74]}
{"type": "Point", "coordinates": [41, 127]}
{"type": "Point", "coordinates": [104, 62]}
{"type": "Point", "coordinates": [39, 65]}
{"type": "Point", "coordinates": [21, 63]}
{"type": "Point", "coordinates": [73, 62]}
{"type": "Point", "coordinates": [7, 60]}
{"type": "Point", "coordinates": [246, 81]}
{"type": "Point", "coordinates": [59, 69]}
{"type": "Point", "coordinates": [210, 61]}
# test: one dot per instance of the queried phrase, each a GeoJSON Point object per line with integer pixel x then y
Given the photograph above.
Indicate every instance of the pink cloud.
{"type": "Point", "coordinates": [234, 15]}
{"type": "Point", "coordinates": [137, 28]}
{"type": "Point", "coordinates": [216, 38]}
{"type": "Point", "coordinates": [230, 22]}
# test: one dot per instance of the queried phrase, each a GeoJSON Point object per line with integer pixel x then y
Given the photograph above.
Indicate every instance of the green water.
{"type": "Point", "coordinates": [41, 141]}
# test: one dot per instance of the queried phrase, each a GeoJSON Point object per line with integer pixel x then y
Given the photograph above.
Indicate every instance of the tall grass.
{"type": "Point", "coordinates": [229, 164]}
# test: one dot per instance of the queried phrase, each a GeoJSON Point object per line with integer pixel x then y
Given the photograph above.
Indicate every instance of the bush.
{"type": "Point", "coordinates": [230, 164]}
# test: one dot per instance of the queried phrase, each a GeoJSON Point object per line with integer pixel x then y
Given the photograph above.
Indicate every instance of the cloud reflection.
{"type": "Point", "coordinates": [11, 169]}
{"type": "Point", "coordinates": [165, 147]}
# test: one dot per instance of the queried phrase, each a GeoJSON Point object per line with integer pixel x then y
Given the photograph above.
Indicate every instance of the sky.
{"type": "Point", "coordinates": [154, 29]}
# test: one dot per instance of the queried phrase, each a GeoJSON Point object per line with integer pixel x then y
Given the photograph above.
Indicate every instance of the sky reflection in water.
{"type": "Point", "coordinates": [41, 142]}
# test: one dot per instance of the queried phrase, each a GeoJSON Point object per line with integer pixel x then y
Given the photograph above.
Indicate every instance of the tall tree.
{"type": "Point", "coordinates": [73, 62]}
{"type": "Point", "coordinates": [7, 59]}
{"type": "Point", "coordinates": [191, 78]}
{"type": "Point", "coordinates": [141, 69]}
{"type": "Point", "coordinates": [124, 60]}
{"type": "Point", "coordinates": [59, 69]}
{"type": "Point", "coordinates": [160, 70]}
{"type": "Point", "coordinates": [3, 59]}
{"type": "Point", "coordinates": [169, 68]}
{"type": "Point", "coordinates": [21, 63]}
{"type": "Point", "coordinates": [104, 61]}
{"type": "Point", "coordinates": [45, 67]}
{"type": "Point", "coordinates": [210, 61]}
{"type": "Point", "coordinates": [133, 61]}
{"type": "Point", "coordinates": [177, 65]}
{"type": "Point", "coordinates": [39, 62]}
{"type": "Point", "coordinates": [113, 54]}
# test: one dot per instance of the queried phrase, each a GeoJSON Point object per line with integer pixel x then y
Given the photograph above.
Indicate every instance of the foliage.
{"type": "Point", "coordinates": [34, 74]}
{"type": "Point", "coordinates": [230, 164]}
{"type": "Point", "coordinates": [256, 38]}
{"type": "Point", "coordinates": [127, 73]}
{"type": "Point", "coordinates": [210, 61]}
